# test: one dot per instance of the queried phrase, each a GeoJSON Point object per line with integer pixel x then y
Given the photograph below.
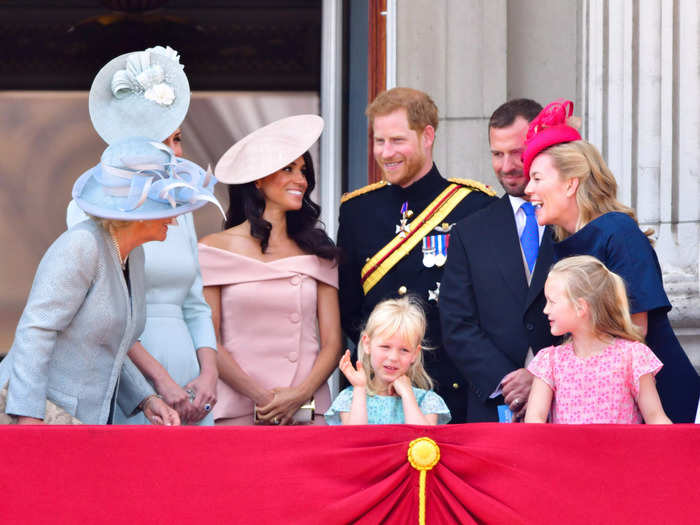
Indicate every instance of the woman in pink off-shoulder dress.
{"type": "Point", "coordinates": [271, 280]}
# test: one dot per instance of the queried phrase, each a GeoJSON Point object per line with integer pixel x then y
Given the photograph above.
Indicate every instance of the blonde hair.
{"type": "Point", "coordinates": [110, 224]}
{"type": "Point", "coordinates": [405, 317]}
{"type": "Point", "coordinates": [597, 190]}
{"type": "Point", "coordinates": [585, 277]}
{"type": "Point", "coordinates": [421, 111]}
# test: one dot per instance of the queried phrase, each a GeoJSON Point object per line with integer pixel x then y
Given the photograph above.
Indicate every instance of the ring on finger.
{"type": "Point", "coordinates": [207, 407]}
{"type": "Point", "coordinates": [191, 394]}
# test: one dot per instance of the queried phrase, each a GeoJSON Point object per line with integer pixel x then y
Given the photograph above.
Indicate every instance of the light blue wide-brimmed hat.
{"type": "Point", "coordinates": [140, 94]}
{"type": "Point", "coordinates": [141, 179]}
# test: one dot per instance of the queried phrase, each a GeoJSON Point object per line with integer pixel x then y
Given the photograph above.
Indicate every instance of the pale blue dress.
{"type": "Point", "coordinates": [178, 319]}
{"type": "Point", "coordinates": [386, 410]}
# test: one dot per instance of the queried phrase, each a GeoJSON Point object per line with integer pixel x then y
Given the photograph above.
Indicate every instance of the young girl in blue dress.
{"type": "Point", "coordinates": [390, 384]}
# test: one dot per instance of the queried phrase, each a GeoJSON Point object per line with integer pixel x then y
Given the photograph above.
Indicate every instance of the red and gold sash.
{"type": "Point", "coordinates": [386, 258]}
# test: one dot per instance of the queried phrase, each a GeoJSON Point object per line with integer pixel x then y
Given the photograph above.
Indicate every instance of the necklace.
{"type": "Point", "coordinates": [115, 242]}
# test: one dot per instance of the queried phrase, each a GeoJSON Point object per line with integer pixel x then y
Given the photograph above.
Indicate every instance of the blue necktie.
{"type": "Point", "coordinates": [530, 238]}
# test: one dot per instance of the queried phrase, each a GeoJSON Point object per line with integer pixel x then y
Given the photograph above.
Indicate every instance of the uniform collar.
{"type": "Point", "coordinates": [424, 188]}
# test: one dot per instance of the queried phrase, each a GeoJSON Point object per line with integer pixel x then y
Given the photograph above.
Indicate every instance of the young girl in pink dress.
{"type": "Point", "coordinates": [603, 373]}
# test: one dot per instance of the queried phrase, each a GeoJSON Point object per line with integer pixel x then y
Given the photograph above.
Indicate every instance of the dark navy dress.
{"type": "Point", "coordinates": [615, 239]}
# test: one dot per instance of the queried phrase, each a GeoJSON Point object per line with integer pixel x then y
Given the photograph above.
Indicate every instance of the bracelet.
{"type": "Point", "coordinates": [144, 404]}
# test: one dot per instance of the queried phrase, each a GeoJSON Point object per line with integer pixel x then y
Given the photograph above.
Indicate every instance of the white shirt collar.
{"type": "Point", "coordinates": [520, 217]}
{"type": "Point", "coordinates": [516, 202]}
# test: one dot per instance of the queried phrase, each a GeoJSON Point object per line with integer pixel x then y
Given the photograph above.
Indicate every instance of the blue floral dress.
{"type": "Point", "coordinates": [386, 410]}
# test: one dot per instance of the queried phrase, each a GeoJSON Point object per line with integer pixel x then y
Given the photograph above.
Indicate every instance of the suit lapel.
{"type": "Point", "coordinates": [505, 246]}
{"type": "Point", "coordinates": [544, 262]}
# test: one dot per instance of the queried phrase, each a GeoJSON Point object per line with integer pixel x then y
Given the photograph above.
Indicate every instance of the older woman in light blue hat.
{"type": "Point", "coordinates": [86, 306]}
{"type": "Point", "coordinates": [146, 93]}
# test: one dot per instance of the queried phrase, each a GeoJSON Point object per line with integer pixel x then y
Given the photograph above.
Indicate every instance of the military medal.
{"type": "Point", "coordinates": [434, 295]}
{"type": "Point", "coordinates": [445, 227]}
{"type": "Point", "coordinates": [428, 252]}
{"type": "Point", "coordinates": [435, 250]}
{"type": "Point", "coordinates": [441, 243]}
{"type": "Point", "coordinates": [402, 229]}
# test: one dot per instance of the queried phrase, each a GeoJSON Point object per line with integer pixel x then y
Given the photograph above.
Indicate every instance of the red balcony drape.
{"type": "Point", "coordinates": [487, 473]}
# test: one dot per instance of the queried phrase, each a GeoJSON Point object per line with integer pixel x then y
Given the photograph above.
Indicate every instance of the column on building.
{"type": "Point", "coordinates": [640, 85]}
{"type": "Point", "coordinates": [455, 50]}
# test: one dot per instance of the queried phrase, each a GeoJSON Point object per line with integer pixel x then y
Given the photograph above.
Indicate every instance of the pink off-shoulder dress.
{"type": "Point", "coordinates": [269, 322]}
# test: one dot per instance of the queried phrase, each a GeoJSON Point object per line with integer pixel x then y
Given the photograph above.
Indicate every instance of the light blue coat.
{"type": "Point", "coordinates": [178, 319]}
{"type": "Point", "coordinates": [77, 326]}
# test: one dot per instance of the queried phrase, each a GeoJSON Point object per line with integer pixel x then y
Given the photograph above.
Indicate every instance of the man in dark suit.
{"type": "Point", "coordinates": [491, 298]}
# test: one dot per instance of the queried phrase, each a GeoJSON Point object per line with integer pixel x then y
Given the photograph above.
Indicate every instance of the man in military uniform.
{"type": "Point", "coordinates": [395, 233]}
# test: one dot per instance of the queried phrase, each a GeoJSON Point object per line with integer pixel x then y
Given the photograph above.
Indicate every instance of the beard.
{"type": "Point", "coordinates": [513, 183]}
{"type": "Point", "coordinates": [407, 174]}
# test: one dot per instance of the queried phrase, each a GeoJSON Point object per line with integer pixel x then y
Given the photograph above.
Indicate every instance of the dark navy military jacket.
{"type": "Point", "coordinates": [367, 223]}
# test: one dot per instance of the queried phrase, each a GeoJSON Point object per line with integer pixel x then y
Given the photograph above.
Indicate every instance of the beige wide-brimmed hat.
{"type": "Point", "coordinates": [268, 149]}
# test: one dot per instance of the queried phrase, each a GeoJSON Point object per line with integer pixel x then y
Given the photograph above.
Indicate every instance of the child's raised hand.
{"type": "Point", "coordinates": [402, 386]}
{"type": "Point", "coordinates": [357, 377]}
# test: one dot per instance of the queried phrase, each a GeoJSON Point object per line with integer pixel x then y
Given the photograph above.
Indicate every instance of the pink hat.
{"type": "Point", "coordinates": [268, 149]}
{"type": "Point", "coordinates": [547, 129]}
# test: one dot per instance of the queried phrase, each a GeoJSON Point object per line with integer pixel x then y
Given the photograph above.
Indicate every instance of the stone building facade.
{"type": "Point", "coordinates": [630, 66]}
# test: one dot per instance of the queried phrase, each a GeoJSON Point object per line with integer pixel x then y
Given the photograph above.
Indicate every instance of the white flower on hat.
{"type": "Point", "coordinates": [161, 94]}
{"type": "Point", "coordinates": [140, 75]}
{"type": "Point", "coordinates": [150, 77]}
{"type": "Point", "coordinates": [167, 52]}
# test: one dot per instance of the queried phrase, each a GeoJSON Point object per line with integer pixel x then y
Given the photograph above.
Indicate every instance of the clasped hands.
{"type": "Point", "coordinates": [278, 405]}
{"type": "Point", "coordinates": [192, 401]}
{"type": "Point", "coordinates": [159, 413]}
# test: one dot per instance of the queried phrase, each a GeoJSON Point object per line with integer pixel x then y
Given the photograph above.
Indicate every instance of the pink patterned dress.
{"type": "Point", "coordinates": [602, 388]}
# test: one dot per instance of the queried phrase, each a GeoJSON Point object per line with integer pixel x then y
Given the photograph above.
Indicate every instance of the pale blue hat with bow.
{"type": "Point", "coordinates": [141, 179]}
{"type": "Point", "coordinates": [140, 94]}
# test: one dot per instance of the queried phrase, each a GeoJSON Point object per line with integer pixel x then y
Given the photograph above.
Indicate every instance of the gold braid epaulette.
{"type": "Point", "coordinates": [475, 185]}
{"type": "Point", "coordinates": [365, 189]}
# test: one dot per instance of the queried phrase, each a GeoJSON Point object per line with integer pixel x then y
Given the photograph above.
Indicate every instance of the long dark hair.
{"type": "Point", "coordinates": [246, 202]}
